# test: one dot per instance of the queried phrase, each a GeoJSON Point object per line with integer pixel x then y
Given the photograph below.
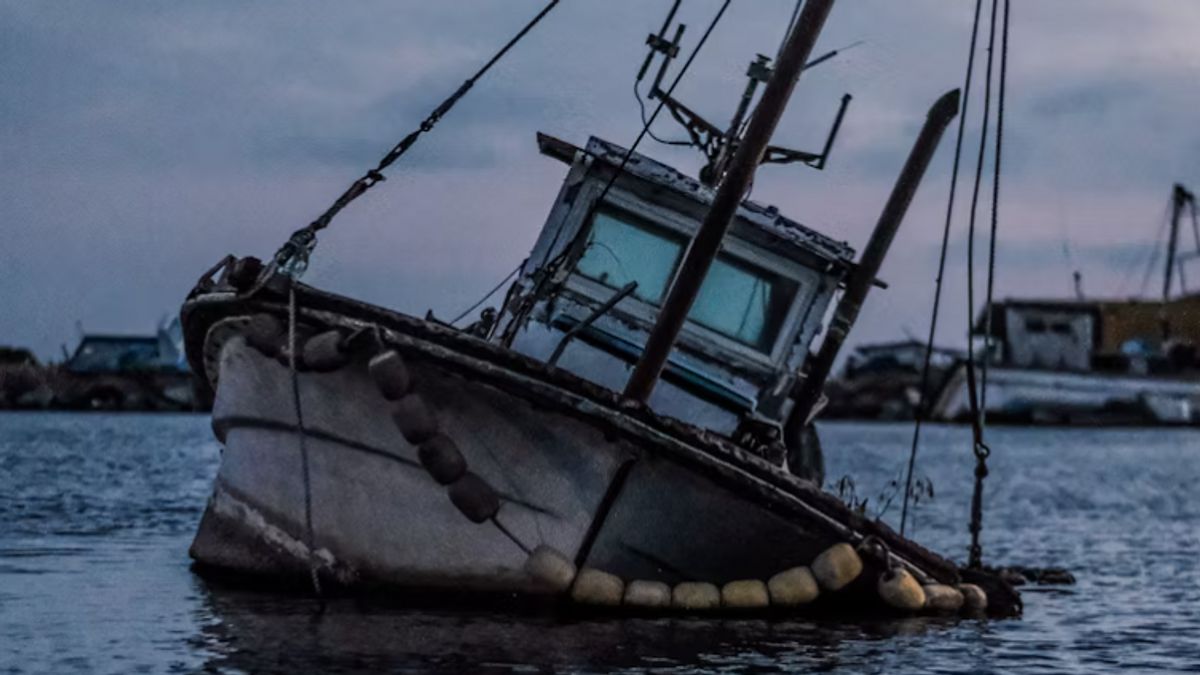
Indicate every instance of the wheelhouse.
{"type": "Point", "coordinates": [747, 334]}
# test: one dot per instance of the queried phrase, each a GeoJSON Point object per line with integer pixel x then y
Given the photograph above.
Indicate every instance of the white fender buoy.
{"type": "Point", "coordinates": [390, 375]}
{"type": "Point", "coordinates": [414, 419]}
{"type": "Point", "coordinates": [442, 460]}
{"type": "Point", "coordinates": [474, 497]}
{"type": "Point", "coordinates": [974, 598]}
{"type": "Point", "coordinates": [793, 587]}
{"type": "Point", "coordinates": [942, 598]}
{"type": "Point", "coordinates": [595, 587]}
{"type": "Point", "coordinates": [550, 568]}
{"type": "Point", "coordinates": [745, 594]}
{"type": "Point", "coordinates": [648, 594]}
{"type": "Point", "coordinates": [899, 588]}
{"type": "Point", "coordinates": [695, 595]}
{"type": "Point", "coordinates": [325, 352]}
{"type": "Point", "coordinates": [836, 567]}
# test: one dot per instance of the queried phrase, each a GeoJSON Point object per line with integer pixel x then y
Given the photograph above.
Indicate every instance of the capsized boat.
{"type": "Point", "coordinates": [368, 449]}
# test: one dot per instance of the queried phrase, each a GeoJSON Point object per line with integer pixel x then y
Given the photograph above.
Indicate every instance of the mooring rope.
{"type": "Point", "coordinates": [979, 416]}
{"type": "Point", "coordinates": [293, 256]}
{"type": "Point", "coordinates": [972, 390]}
{"type": "Point", "coordinates": [921, 411]}
{"type": "Point", "coordinates": [302, 436]}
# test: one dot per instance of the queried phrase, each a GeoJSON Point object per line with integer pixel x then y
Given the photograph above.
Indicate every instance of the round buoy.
{"type": "Point", "coordinates": [695, 595]}
{"type": "Point", "coordinates": [974, 598]}
{"type": "Point", "coordinates": [594, 587]}
{"type": "Point", "coordinates": [390, 375]}
{"type": "Point", "coordinates": [325, 352]}
{"type": "Point", "coordinates": [793, 587]}
{"type": "Point", "coordinates": [266, 333]}
{"type": "Point", "coordinates": [648, 594]}
{"type": "Point", "coordinates": [414, 419]}
{"type": "Point", "coordinates": [899, 588]}
{"type": "Point", "coordinates": [550, 568]}
{"type": "Point", "coordinates": [942, 598]}
{"type": "Point", "coordinates": [837, 566]}
{"type": "Point", "coordinates": [745, 594]}
{"type": "Point", "coordinates": [441, 458]}
{"type": "Point", "coordinates": [474, 497]}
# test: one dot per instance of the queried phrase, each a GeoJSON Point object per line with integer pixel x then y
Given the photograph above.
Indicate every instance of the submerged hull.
{"type": "Point", "coordinates": [610, 486]}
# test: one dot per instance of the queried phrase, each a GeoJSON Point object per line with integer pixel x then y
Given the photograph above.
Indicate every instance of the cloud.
{"type": "Point", "coordinates": [143, 141]}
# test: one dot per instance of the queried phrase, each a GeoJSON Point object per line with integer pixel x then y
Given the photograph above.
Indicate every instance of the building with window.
{"type": "Point", "coordinates": [1087, 362]}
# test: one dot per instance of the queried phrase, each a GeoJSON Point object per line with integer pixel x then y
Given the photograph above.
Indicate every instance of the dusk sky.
{"type": "Point", "coordinates": [141, 142]}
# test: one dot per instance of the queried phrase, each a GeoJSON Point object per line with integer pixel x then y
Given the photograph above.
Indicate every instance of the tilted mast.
{"type": "Point", "coordinates": [732, 188]}
{"type": "Point", "coordinates": [1181, 197]}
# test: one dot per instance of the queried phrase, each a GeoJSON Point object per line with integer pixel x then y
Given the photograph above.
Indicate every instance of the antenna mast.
{"type": "Point", "coordinates": [719, 146]}
{"type": "Point", "coordinates": [746, 158]}
{"type": "Point", "coordinates": [1180, 198]}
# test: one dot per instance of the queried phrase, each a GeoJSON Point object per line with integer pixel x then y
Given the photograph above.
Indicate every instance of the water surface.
{"type": "Point", "coordinates": [97, 511]}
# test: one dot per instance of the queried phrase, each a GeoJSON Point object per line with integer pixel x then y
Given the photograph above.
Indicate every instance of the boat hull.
{"type": "Point", "coordinates": [380, 519]}
{"type": "Point", "coordinates": [1051, 397]}
{"type": "Point", "coordinates": [604, 481]}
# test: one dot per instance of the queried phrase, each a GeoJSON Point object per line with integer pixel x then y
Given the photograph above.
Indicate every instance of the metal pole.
{"type": "Point", "coordinates": [746, 159]}
{"type": "Point", "coordinates": [1179, 196]}
{"type": "Point", "coordinates": [863, 276]}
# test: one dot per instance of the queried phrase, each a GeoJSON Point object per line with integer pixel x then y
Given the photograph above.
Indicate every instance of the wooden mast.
{"type": "Point", "coordinates": [733, 186]}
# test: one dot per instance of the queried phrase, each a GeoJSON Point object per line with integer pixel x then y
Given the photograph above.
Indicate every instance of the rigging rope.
{"type": "Point", "coordinates": [549, 268]}
{"type": "Point", "coordinates": [292, 257]}
{"type": "Point", "coordinates": [489, 294]}
{"type": "Point", "coordinates": [921, 410]}
{"type": "Point", "coordinates": [972, 392]}
{"type": "Point", "coordinates": [979, 416]}
{"type": "Point", "coordinates": [302, 435]}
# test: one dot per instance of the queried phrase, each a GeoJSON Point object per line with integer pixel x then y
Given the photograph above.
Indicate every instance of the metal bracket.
{"type": "Point", "coordinates": [659, 44]}
{"type": "Point", "coordinates": [778, 155]}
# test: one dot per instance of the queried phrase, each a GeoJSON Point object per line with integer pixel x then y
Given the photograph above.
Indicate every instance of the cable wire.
{"type": "Point", "coordinates": [642, 110]}
{"type": "Point", "coordinates": [937, 293]}
{"type": "Point", "coordinates": [972, 392]}
{"type": "Point", "coordinates": [995, 226]}
{"type": "Point", "coordinates": [489, 294]}
{"type": "Point", "coordinates": [981, 449]}
{"type": "Point", "coordinates": [548, 269]}
{"type": "Point", "coordinates": [292, 257]}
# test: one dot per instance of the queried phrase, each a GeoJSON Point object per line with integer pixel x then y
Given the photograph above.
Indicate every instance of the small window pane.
{"type": "Point", "coordinates": [743, 302]}
{"type": "Point", "coordinates": [619, 251]}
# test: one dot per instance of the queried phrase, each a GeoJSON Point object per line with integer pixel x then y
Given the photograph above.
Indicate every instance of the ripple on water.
{"type": "Point", "coordinates": [96, 513]}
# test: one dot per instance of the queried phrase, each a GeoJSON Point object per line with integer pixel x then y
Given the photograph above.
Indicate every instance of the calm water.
{"type": "Point", "coordinates": [96, 513]}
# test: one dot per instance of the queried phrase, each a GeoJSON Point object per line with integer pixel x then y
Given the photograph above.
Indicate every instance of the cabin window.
{"type": "Point", "coordinates": [620, 249]}
{"type": "Point", "coordinates": [1035, 325]}
{"type": "Point", "coordinates": [743, 302]}
{"type": "Point", "coordinates": [740, 301]}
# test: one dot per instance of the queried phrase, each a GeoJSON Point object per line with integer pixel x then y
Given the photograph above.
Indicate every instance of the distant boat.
{"type": "Point", "coordinates": [1084, 361]}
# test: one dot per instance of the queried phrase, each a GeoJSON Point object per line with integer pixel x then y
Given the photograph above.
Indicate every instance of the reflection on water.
{"type": "Point", "coordinates": [96, 513]}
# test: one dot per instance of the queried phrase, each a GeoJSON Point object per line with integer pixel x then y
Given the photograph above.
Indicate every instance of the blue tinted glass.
{"type": "Point", "coordinates": [743, 302]}
{"type": "Point", "coordinates": [619, 251]}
